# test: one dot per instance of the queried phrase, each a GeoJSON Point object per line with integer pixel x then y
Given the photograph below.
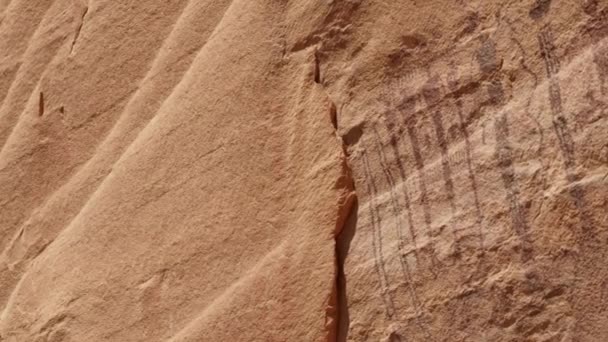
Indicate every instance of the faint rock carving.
{"type": "Point", "coordinates": [376, 222]}
{"type": "Point", "coordinates": [487, 60]}
{"type": "Point", "coordinates": [560, 124]}
{"type": "Point", "coordinates": [452, 85]}
{"type": "Point", "coordinates": [405, 267]}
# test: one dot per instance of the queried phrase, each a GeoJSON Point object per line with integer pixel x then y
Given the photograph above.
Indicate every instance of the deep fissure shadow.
{"type": "Point", "coordinates": [342, 248]}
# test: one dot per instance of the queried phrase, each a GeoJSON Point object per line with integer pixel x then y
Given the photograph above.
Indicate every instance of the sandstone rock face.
{"type": "Point", "coordinates": [339, 170]}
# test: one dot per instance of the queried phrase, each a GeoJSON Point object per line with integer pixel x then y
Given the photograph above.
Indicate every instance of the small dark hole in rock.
{"type": "Point", "coordinates": [41, 105]}
{"type": "Point", "coordinates": [353, 135]}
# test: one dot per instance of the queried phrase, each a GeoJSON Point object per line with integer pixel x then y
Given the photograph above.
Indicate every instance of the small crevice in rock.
{"type": "Point", "coordinates": [41, 104]}
{"type": "Point", "coordinates": [79, 28]}
{"type": "Point", "coordinates": [343, 240]}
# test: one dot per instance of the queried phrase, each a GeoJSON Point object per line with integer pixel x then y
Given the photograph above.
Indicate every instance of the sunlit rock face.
{"type": "Point", "coordinates": [339, 170]}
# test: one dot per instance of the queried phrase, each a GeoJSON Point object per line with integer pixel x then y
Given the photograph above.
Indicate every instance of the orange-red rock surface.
{"type": "Point", "coordinates": [327, 170]}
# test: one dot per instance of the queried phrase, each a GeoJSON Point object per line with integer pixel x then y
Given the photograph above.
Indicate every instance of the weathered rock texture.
{"type": "Point", "coordinates": [187, 170]}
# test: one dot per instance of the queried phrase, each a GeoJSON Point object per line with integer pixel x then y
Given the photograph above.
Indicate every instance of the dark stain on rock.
{"type": "Point", "coordinates": [539, 9]}
{"type": "Point", "coordinates": [412, 41]}
{"type": "Point", "coordinates": [468, 25]}
{"type": "Point", "coordinates": [431, 91]}
{"type": "Point", "coordinates": [408, 45]}
{"type": "Point", "coordinates": [496, 92]}
{"type": "Point", "coordinates": [486, 56]}
{"type": "Point", "coordinates": [395, 337]}
{"type": "Point", "coordinates": [41, 105]}
{"type": "Point", "coordinates": [353, 135]}
{"type": "Point", "coordinates": [590, 6]}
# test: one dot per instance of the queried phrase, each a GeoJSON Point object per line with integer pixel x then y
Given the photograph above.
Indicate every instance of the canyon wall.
{"type": "Point", "coordinates": [339, 170]}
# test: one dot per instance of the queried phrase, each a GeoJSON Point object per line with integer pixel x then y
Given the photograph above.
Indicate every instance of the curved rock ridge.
{"type": "Point", "coordinates": [320, 170]}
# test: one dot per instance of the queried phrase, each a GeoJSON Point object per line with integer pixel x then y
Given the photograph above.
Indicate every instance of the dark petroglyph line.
{"type": "Point", "coordinates": [395, 206]}
{"type": "Point", "coordinates": [443, 145]}
{"type": "Point", "coordinates": [504, 156]}
{"type": "Point", "coordinates": [406, 196]}
{"type": "Point", "coordinates": [403, 178]}
{"type": "Point", "coordinates": [547, 49]}
{"type": "Point", "coordinates": [405, 267]}
{"type": "Point", "coordinates": [600, 58]}
{"type": "Point", "coordinates": [539, 126]}
{"type": "Point", "coordinates": [393, 142]}
{"type": "Point", "coordinates": [534, 118]}
{"type": "Point", "coordinates": [453, 84]}
{"type": "Point", "coordinates": [376, 222]}
{"type": "Point", "coordinates": [587, 240]}
{"type": "Point", "coordinates": [408, 106]}
{"type": "Point", "coordinates": [486, 56]}
{"type": "Point", "coordinates": [487, 59]}
{"type": "Point", "coordinates": [496, 91]}
{"type": "Point", "coordinates": [560, 124]}
{"type": "Point", "coordinates": [431, 95]}
{"type": "Point", "coordinates": [395, 203]}
{"type": "Point", "coordinates": [419, 163]}
{"type": "Point", "coordinates": [472, 178]}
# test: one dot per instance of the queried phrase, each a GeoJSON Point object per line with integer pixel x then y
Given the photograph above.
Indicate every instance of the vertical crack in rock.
{"type": "Point", "coordinates": [317, 68]}
{"type": "Point", "coordinates": [41, 104]}
{"type": "Point", "coordinates": [343, 239]}
{"type": "Point", "coordinates": [85, 10]}
{"type": "Point", "coordinates": [344, 231]}
{"type": "Point", "coordinates": [337, 320]}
